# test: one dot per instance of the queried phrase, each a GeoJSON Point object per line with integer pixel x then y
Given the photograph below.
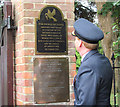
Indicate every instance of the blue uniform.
{"type": "Point", "coordinates": [92, 84]}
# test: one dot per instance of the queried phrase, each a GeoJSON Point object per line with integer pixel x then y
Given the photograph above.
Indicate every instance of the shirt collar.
{"type": "Point", "coordinates": [84, 56]}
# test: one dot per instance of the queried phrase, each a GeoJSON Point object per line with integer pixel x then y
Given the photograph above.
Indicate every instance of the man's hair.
{"type": "Point", "coordinates": [90, 46]}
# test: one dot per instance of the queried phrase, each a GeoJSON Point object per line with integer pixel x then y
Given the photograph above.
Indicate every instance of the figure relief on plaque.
{"type": "Point", "coordinates": [50, 15]}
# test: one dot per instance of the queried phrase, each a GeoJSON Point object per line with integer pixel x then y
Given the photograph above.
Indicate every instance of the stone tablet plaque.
{"type": "Point", "coordinates": [51, 80]}
{"type": "Point", "coordinates": [51, 32]}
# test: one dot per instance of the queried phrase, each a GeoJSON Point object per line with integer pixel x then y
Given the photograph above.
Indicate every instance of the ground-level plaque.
{"type": "Point", "coordinates": [51, 80]}
{"type": "Point", "coordinates": [51, 32]}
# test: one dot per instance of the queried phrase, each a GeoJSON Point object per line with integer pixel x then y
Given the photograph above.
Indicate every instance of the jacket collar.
{"type": "Point", "coordinates": [92, 52]}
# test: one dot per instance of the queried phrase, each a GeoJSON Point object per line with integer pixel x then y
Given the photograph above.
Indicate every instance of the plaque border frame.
{"type": "Point", "coordinates": [51, 53]}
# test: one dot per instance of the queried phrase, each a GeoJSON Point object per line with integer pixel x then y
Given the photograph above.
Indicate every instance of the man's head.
{"type": "Point", "coordinates": [87, 34]}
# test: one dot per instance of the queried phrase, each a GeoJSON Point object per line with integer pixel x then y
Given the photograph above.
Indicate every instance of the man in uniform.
{"type": "Point", "coordinates": [93, 82]}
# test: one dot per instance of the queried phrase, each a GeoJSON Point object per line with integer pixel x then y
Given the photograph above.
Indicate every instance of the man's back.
{"type": "Point", "coordinates": [93, 81]}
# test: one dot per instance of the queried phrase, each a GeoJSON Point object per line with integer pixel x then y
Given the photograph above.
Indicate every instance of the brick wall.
{"type": "Point", "coordinates": [24, 13]}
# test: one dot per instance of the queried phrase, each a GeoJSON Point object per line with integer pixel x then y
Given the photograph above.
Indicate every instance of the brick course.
{"type": "Point", "coordinates": [25, 13]}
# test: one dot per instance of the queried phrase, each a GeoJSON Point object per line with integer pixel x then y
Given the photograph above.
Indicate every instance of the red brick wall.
{"type": "Point", "coordinates": [25, 13]}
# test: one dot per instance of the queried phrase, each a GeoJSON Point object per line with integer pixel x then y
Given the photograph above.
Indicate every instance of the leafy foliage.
{"type": "Point", "coordinates": [78, 60]}
{"type": "Point", "coordinates": [1, 12]}
{"type": "Point", "coordinates": [100, 49]}
{"type": "Point", "coordinates": [114, 8]}
{"type": "Point", "coordinates": [1, 16]}
{"type": "Point", "coordinates": [84, 11]}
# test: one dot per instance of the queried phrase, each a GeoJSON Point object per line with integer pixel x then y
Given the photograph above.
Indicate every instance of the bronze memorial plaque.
{"type": "Point", "coordinates": [51, 80]}
{"type": "Point", "coordinates": [51, 32]}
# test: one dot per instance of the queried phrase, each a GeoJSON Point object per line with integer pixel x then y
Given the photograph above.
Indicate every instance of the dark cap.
{"type": "Point", "coordinates": [87, 31]}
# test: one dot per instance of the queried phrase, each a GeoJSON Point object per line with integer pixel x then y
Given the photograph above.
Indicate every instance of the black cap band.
{"type": "Point", "coordinates": [85, 40]}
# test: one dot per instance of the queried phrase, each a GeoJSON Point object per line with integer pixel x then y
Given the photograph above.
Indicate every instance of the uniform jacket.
{"type": "Point", "coordinates": [92, 84]}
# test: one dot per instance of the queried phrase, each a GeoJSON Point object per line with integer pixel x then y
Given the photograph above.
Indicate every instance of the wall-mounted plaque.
{"type": "Point", "coordinates": [51, 80]}
{"type": "Point", "coordinates": [51, 32]}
